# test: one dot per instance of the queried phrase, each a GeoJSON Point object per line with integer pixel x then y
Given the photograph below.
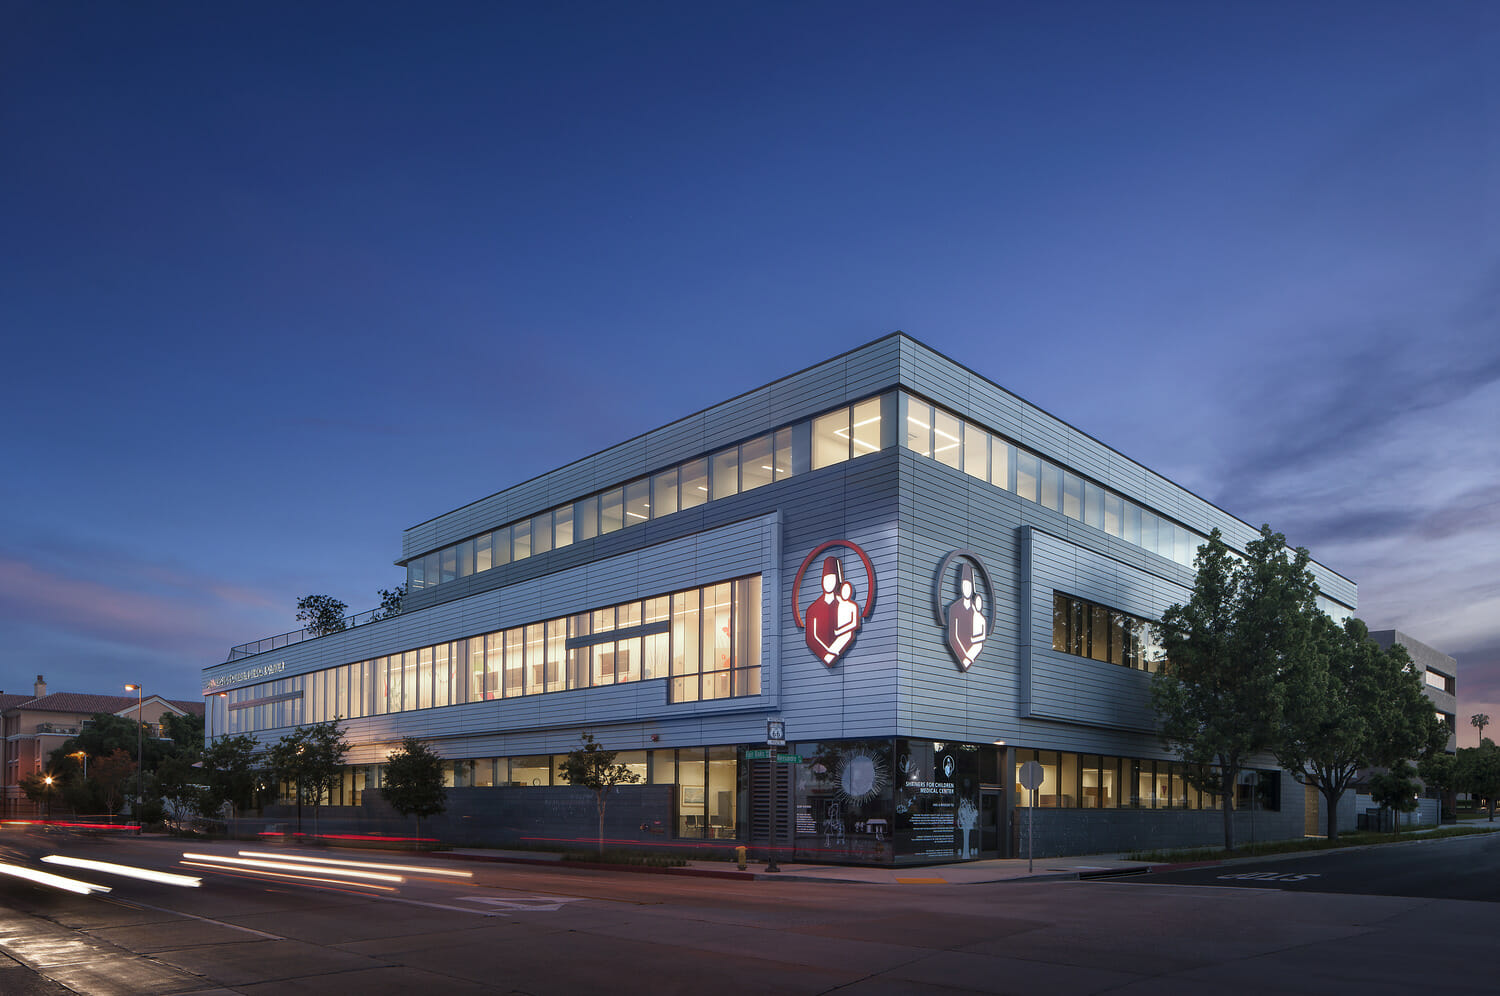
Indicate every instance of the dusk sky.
{"type": "Point", "coordinates": [281, 280]}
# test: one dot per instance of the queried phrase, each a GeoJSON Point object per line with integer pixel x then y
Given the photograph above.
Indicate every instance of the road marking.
{"type": "Point", "coordinates": [193, 916]}
{"type": "Point", "coordinates": [436, 906]}
{"type": "Point", "coordinates": [523, 904]}
{"type": "Point", "coordinates": [1270, 876]}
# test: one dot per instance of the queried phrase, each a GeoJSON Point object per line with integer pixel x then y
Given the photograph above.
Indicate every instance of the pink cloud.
{"type": "Point", "coordinates": [80, 606]}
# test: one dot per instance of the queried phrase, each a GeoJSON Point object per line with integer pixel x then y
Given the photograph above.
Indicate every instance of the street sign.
{"type": "Point", "coordinates": [1031, 775]}
{"type": "Point", "coordinates": [758, 755]}
{"type": "Point", "coordinates": [788, 758]}
{"type": "Point", "coordinates": [776, 732]}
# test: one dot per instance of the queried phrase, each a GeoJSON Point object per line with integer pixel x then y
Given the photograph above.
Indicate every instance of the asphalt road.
{"type": "Point", "coordinates": [524, 929]}
{"type": "Point", "coordinates": [1452, 868]}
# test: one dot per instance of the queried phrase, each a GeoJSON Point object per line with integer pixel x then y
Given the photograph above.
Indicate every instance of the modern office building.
{"type": "Point", "coordinates": [922, 579]}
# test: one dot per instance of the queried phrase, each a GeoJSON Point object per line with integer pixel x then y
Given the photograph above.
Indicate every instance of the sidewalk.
{"type": "Point", "coordinates": [964, 873]}
{"type": "Point", "coordinates": [958, 873]}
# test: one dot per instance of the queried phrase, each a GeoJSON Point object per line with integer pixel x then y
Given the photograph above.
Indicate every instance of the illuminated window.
{"type": "Point", "coordinates": [830, 439]}
{"type": "Point", "coordinates": [756, 466]}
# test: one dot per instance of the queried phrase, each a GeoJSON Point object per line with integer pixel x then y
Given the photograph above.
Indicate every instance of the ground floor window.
{"type": "Point", "coordinates": [888, 800]}
{"type": "Point", "coordinates": [1095, 781]}
{"type": "Point", "coordinates": [711, 784]}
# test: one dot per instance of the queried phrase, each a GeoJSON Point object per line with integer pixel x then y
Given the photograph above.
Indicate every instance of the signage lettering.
{"type": "Point", "coordinates": [238, 677]}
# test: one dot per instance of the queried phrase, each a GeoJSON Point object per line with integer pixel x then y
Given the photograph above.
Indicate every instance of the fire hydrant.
{"type": "Point", "coordinates": [739, 856]}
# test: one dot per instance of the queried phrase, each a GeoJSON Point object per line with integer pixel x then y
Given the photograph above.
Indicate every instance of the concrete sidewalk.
{"type": "Point", "coordinates": [960, 873]}
{"type": "Point", "coordinates": [965, 873]}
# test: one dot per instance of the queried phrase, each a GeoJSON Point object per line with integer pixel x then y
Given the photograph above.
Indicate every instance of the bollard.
{"type": "Point", "coordinates": [739, 856]}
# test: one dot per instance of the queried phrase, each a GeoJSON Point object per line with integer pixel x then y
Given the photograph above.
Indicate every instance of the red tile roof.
{"type": "Point", "coordinates": [81, 702]}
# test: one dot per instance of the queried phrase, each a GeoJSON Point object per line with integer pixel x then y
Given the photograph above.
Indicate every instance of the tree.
{"type": "Point", "coordinates": [112, 773]}
{"type": "Point", "coordinates": [413, 782]}
{"type": "Point", "coordinates": [1350, 705]}
{"type": "Point", "coordinates": [1479, 721]}
{"type": "Point", "coordinates": [1395, 789]}
{"type": "Point", "coordinates": [229, 768]}
{"type": "Point", "coordinates": [182, 736]}
{"type": "Point", "coordinates": [390, 603]}
{"type": "Point", "coordinates": [38, 787]}
{"type": "Point", "coordinates": [177, 783]}
{"type": "Point", "coordinates": [323, 614]}
{"type": "Point", "coordinates": [311, 758]}
{"type": "Point", "coordinates": [1478, 772]}
{"type": "Point", "coordinates": [594, 768]}
{"type": "Point", "coordinates": [1218, 692]}
{"type": "Point", "coordinates": [1439, 772]}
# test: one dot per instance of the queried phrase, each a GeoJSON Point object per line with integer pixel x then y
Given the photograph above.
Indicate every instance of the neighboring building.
{"type": "Point", "coordinates": [927, 580]}
{"type": "Point", "coordinates": [1439, 676]}
{"type": "Point", "coordinates": [1440, 682]}
{"type": "Point", "coordinates": [36, 725]}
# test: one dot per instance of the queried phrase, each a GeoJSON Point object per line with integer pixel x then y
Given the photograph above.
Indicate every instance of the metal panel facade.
{"type": "Point", "coordinates": [906, 512]}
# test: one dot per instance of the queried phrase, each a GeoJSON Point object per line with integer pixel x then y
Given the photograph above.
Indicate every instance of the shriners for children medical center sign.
{"type": "Point", "coordinates": [832, 618]}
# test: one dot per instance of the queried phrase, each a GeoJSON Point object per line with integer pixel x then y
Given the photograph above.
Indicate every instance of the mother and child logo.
{"type": "Point", "coordinates": [833, 617]}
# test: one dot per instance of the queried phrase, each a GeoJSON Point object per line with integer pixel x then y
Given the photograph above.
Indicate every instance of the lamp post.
{"type": "Point", "coordinates": [140, 765]}
{"type": "Point", "coordinates": [47, 780]}
{"type": "Point", "coordinates": [85, 756]}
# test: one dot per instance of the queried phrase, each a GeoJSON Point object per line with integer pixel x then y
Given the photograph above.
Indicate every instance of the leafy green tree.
{"type": "Point", "coordinates": [413, 781]}
{"type": "Point", "coordinates": [594, 768]}
{"type": "Point", "coordinates": [1439, 771]}
{"type": "Point", "coordinates": [182, 736]}
{"type": "Point", "coordinates": [311, 759]}
{"type": "Point", "coordinates": [229, 768]}
{"type": "Point", "coordinates": [41, 788]}
{"type": "Point", "coordinates": [178, 785]}
{"type": "Point", "coordinates": [1218, 693]}
{"type": "Point", "coordinates": [1396, 789]}
{"type": "Point", "coordinates": [323, 614]}
{"type": "Point", "coordinates": [390, 603]}
{"type": "Point", "coordinates": [103, 734]}
{"type": "Point", "coordinates": [113, 774]}
{"type": "Point", "coordinates": [1350, 705]}
{"type": "Point", "coordinates": [1478, 772]}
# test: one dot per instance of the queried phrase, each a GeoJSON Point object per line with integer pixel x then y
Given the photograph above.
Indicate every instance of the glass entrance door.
{"type": "Point", "coordinates": [989, 823]}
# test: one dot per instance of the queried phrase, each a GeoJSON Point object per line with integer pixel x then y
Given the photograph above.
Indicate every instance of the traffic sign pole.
{"type": "Point", "coordinates": [775, 737]}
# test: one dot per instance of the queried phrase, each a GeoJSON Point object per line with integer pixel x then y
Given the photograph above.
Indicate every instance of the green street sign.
{"type": "Point", "coordinates": [757, 755]}
{"type": "Point", "coordinates": [788, 758]}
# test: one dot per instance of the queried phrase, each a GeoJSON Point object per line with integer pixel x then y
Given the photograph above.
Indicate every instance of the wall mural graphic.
{"type": "Point", "coordinates": [970, 617]}
{"type": "Point", "coordinates": [937, 801]}
{"type": "Point", "coordinates": [844, 801]}
{"type": "Point", "coordinates": [833, 617]}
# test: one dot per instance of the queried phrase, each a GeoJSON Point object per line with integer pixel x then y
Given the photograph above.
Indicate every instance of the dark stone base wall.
{"type": "Point", "coordinates": [1061, 832]}
{"type": "Point", "coordinates": [489, 817]}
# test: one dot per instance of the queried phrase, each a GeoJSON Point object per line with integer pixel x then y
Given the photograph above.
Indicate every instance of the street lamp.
{"type": "Point", "coordinates": [47, 780]}
{"type": "Point", "coordinates": [140, 764]}
{"type": "Point", "coordinates": [84, 755]}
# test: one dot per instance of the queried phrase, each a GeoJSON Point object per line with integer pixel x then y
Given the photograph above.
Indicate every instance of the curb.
{"type": "Point", "coordinates": [600, 866]}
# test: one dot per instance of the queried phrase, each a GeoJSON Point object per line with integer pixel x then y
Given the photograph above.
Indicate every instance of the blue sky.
{"type": "Point", "coordinates": [281, 282]}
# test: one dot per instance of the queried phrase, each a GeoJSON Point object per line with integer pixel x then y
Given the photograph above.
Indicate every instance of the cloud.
{"type": "Point", "coordinates": [31, 595]}
{"type": "Point", "coordinates": [1356, 388]}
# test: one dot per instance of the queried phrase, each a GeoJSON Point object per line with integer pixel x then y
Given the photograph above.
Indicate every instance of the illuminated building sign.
{"type": "Point", "coordinates": [249, 674]}
{"type": "Point", "coordinates": [970, 617]}
{"type": "Point", "coordinates": [832, 619]}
